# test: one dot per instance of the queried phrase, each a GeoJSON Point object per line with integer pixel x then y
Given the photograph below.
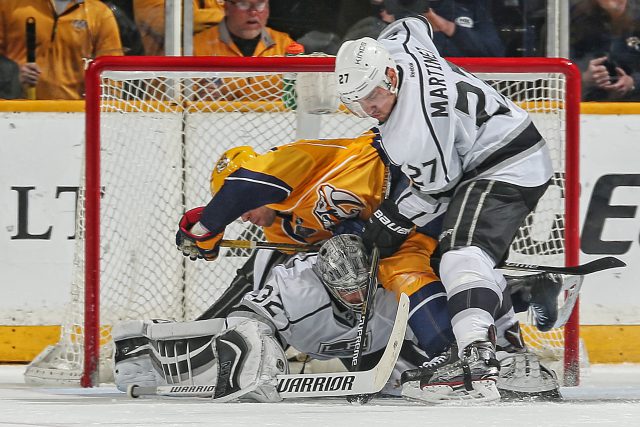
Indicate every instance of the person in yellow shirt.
{"type": "Point", "coordinates": [149, 17]}
{"type": "Point", "coordinates": [243, 32]}
{"type": "Point", "coordinates": [68, 33]}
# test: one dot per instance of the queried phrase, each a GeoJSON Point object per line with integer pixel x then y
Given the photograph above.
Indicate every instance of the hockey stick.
{"type": "Point", "coordinates": [372, 284]}
{"type": "Point", "coordinates": [330, 384]}
{"type": "Point", "coordinates": [251, 244]}
{"type": "Point", "coordinates": [580, 270]}
{"type": "Point", "coordinates": [364, 312]}
{"type": "Point", "coordinates": [364, 322]}
{"type": "Point", "coordinates": [30, 35]}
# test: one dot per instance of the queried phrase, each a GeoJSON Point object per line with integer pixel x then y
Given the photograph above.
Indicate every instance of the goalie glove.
{"type": "Point", "coordinates": [387, 229]}
{"type": "Point", "coordinates": [194, 240]}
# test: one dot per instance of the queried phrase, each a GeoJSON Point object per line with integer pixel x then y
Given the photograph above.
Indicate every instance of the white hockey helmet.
{"type": "Point", "coordinates": [343, 267]}
{"type": "Point", "coordinates": [361, 66]}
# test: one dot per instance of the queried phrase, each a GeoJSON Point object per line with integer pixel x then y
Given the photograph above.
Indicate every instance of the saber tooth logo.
{"type": "Point", "coordinates": [335, 205]}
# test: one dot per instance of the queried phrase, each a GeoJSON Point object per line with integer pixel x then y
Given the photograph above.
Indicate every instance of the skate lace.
{"type": "Point", "coordinates": [436, 361]}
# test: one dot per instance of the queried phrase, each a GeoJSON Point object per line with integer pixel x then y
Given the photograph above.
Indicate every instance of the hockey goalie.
{"type": "Point", "coordinates": [310, 302]}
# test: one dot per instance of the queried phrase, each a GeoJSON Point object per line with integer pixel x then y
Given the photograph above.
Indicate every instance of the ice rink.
{"type": "Point", "coordinates": [609, 396]}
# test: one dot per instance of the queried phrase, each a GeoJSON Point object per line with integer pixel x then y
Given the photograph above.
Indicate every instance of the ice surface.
{"type": "Point", "coordinates": [609, 396]}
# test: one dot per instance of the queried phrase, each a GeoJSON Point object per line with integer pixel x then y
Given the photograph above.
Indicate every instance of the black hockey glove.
{"type": "Point", "coordinates": [387, 229]}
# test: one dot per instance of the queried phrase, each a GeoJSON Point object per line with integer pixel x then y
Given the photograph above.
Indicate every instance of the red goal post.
{"type": "Point", "coordinates": [563, 105]}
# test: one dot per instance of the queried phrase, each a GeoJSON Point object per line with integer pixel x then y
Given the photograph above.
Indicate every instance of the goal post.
{"type": "Point", "coordinates": [156, 125]}
{"type": "Point", "coordinates": [92, 174]}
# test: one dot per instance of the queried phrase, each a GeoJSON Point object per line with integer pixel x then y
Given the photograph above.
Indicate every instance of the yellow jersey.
{"type": "Point", "coordinates": [314, 185]}
{"type": "Point", "coordinates": [64, 42]}
{"type": "Point", "coordinates": [217, 41]}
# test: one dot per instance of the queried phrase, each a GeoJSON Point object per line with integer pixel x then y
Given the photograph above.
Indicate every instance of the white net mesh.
{"type": "Point", "coordinates": [161, 133]}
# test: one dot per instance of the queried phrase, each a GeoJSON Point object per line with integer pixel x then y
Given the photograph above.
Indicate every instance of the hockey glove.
{"type": "Point", "coordinates": [349, 226]}
{"type": "Point", "coordinates": [387, 229]}
{"type": "Point", "coordinates": [194, 244]}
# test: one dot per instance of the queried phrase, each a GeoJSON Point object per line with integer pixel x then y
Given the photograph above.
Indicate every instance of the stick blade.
{"type": "Point", "coordinates": [392, 351]}
{"type": "Point", "coordinates": [602, 264]}
{"type": "Point", "coordinates": [588, 268]}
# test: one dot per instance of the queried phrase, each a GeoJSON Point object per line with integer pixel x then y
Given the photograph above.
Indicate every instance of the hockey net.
{"type": "Point", "coordinates": [156, 126]}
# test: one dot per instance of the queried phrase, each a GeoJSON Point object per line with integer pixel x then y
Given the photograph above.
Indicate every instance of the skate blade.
{"type": "Point", "coordinates": [483, 391]}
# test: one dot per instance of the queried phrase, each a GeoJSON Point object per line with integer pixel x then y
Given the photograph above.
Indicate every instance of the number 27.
{"type": "Point", "coordinates": [343, 78]}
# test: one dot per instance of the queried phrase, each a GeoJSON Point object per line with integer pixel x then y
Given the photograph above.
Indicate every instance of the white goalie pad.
{"type": "Point", "coordinates": [522, 374]}
{"type": "Point", "coordinates": [240, 362]}
{"type": "Point", "coordinates": [571, 286]}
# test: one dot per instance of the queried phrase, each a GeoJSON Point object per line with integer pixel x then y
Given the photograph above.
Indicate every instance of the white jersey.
{"type": "Point", "coordinates": [294, 300]}
{"type": "Point", "coordinates": [449, 126]}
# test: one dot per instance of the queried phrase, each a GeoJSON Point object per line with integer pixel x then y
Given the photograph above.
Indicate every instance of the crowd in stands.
{"type": "Point", "coordinates": [604, 35]}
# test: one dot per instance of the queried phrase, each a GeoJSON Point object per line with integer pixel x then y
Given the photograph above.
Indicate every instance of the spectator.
{"type": "Point", "coordinates": [129, 35]}
{"type": "Point", "coordinates": [520, 24]}
{"type": "Point", "coordinates": [68, 33]}
{"type": "Point", "coordinates": [372, 25]}
{"type": "Point", "coordinates": [243, 32]}
{"type": "Point", "coordinates": [9, 79]}
{"type": "Point", "coordinates": [605, 43]}
{"type": "Point", "coordinates": [461, 27]}
{"type": "Point", "coordinates": [149, 17]}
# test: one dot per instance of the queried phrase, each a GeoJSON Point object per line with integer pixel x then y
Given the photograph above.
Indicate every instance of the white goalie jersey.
{"type": "Point", "coordinates": [296, 302]}
{"type": "Point", "coordinates": [448, 126]}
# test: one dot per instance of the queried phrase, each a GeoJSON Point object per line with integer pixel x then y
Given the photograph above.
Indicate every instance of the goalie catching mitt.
{"type": "Point", "coordinates": [194, 240]}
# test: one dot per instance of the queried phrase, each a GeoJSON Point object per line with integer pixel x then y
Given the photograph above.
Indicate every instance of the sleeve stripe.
{"type": "Point", "coordinates": [286, 189]}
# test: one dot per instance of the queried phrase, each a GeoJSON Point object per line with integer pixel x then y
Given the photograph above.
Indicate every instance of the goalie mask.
{"type": "Point", "coordinates": [343, 267]}
{"type": "Point", "coordinates": [361, 66]}
{"type": "Point", "coordinates": [230, 161]}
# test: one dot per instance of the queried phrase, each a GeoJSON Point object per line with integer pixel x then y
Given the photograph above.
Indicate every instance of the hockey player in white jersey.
{"type": "Point", "coordinates": [311, 302]}
{"type": "Point", "coordinates": [471, 155]}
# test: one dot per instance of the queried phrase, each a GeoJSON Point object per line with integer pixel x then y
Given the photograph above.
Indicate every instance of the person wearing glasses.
{"type": "Point", "coordinates": [242, 32]}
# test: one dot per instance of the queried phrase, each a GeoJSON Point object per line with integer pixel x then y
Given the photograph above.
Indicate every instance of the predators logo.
{"type": "Point", "coordinates": [335, 205]}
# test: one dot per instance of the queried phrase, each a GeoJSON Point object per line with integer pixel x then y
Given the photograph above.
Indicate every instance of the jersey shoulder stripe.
{"type": "Point", "coordinates": [260, 178]}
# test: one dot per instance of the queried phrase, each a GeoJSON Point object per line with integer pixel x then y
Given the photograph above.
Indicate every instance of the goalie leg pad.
{"type": "Point", "coordinates": [523, 375]}
{"type": "Point", "coordinates": [132, 355]}
{"type": "Point", "coordinates": [240, 362]}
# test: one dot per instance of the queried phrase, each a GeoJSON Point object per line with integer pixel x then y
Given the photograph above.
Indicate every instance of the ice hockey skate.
{"type": "Point", "coordinates": [448, 378]}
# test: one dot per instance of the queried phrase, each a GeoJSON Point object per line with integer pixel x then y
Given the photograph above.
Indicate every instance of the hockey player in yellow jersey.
{"type": "Point", "coordinates": [304, 192]}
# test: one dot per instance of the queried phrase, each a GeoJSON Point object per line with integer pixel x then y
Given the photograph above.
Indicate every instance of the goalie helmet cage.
{"type": "Point", "coordinates": [115, 97]}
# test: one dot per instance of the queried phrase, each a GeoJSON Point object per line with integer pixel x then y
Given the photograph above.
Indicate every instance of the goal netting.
{"type": "Point", "coordinates": [156, 126]}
